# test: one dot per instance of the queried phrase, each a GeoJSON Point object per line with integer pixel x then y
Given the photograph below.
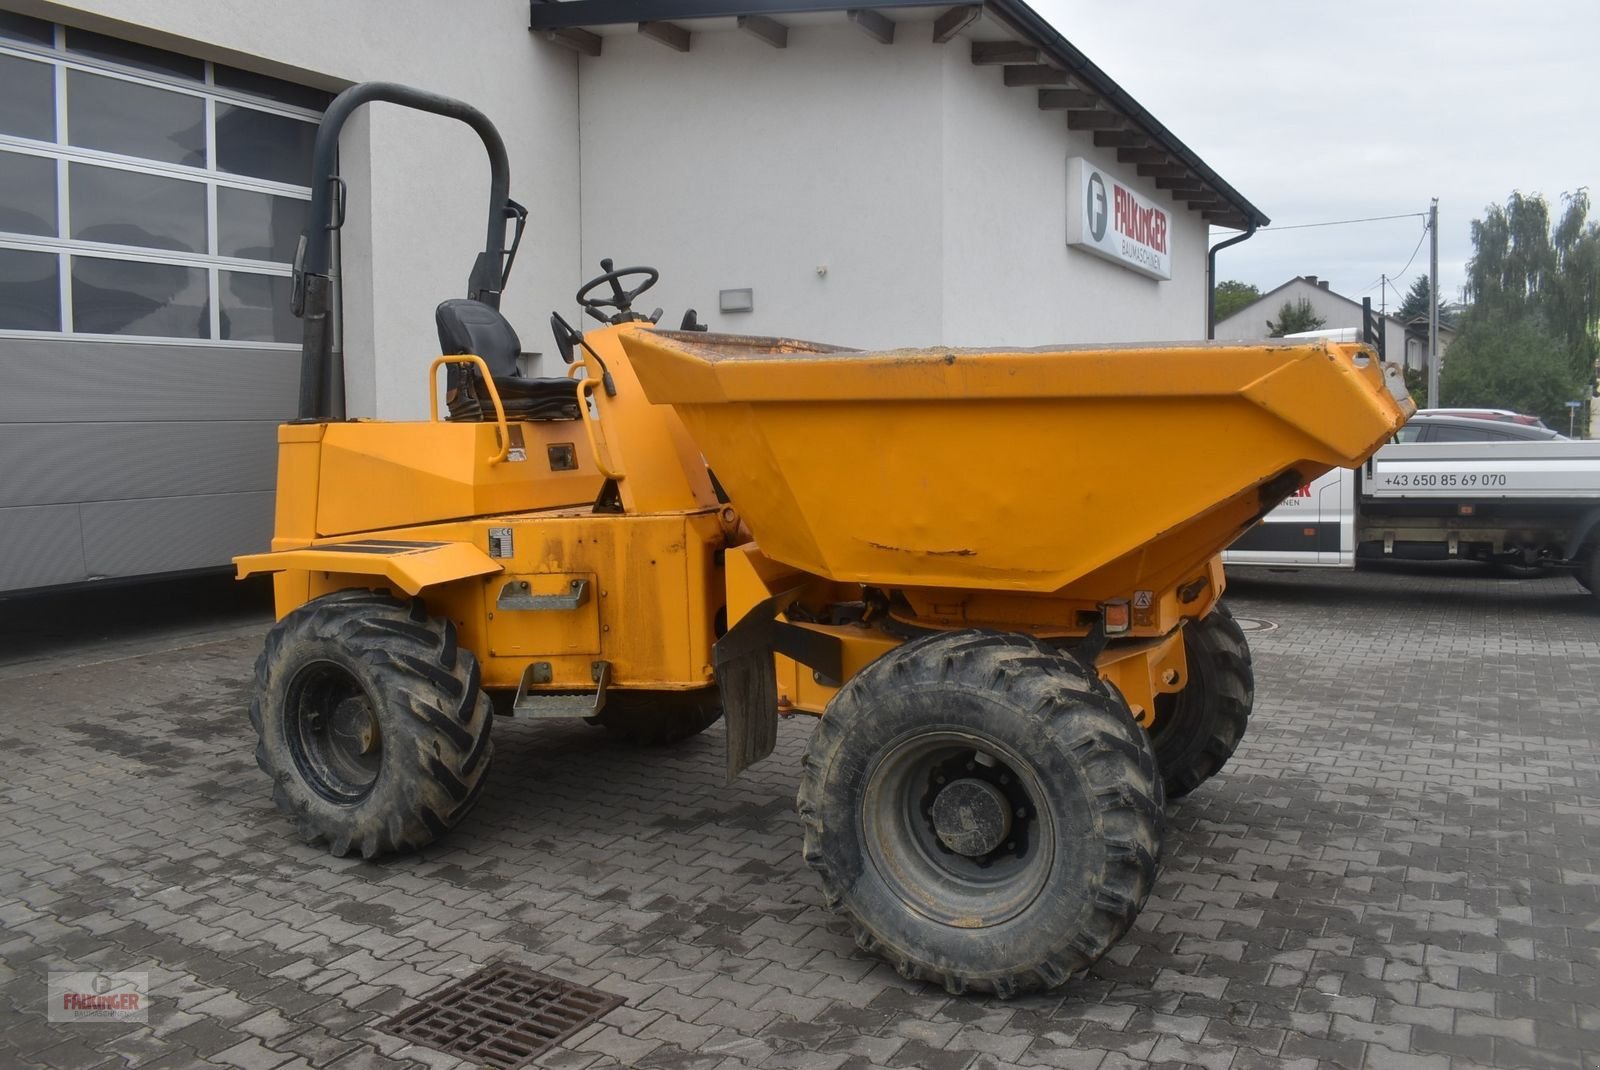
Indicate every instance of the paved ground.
{"type": "Point", "coordinates": [1401, 867]}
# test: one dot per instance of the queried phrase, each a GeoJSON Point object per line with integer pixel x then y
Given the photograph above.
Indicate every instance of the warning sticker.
{"type": "Point", "coordinates": [1143, 599]}
{"type": "Point", "coordinates": [500, 543]}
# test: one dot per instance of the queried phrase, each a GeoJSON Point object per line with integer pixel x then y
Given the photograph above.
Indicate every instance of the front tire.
{"type": "Point", "coordinates": [1197, 730]}
{"type": "Point", "coordinates": [984, 810]}
{"type": "Point", "coordinates": [370, 722]}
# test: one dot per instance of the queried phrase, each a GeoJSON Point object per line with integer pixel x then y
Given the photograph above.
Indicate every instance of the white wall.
{"type": "Point", "coordinates": [738, 164]}
{"type": "Point", "coordinates": [419, 184]}
{"type": "Point", "coordinates": [1250, 322]}
{"type": "Point", "coordinates": [1009, 275]}
{"type": "Point", "coordinates": [935, 197]}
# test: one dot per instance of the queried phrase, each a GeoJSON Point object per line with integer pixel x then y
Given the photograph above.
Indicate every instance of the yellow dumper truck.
{"type": "Point", "coordinates": [993, 575]}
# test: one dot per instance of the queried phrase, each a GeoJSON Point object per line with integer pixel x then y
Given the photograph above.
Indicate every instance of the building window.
{"type": "Point", "coordinates": [146, 195]}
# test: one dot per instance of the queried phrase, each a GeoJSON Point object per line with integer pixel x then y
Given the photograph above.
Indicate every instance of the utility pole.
{"type": "Point", "coordinates": [1383, 295]}
{"type": "Point", "coordinates": [1433, 304]}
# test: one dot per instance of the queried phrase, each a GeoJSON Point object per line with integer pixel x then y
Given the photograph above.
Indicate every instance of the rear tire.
{"type": "Point", "coordinates": [1197, 730]}
{"type": "Point", "coordinates": [984, 810]}
{"type": "Point", "coordinates": [660, 718]}
{"type": "Point", "coordinates": [370, 723]}
{"type": "Point", "coordinates": [1515, 567]}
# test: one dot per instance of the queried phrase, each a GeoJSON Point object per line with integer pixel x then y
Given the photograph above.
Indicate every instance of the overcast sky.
{"type": "Point", "coordinates": [1339, 110]}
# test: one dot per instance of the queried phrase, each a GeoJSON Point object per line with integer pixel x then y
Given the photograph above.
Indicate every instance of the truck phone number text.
{"type": "Point", "coordinates": [1428, 479]}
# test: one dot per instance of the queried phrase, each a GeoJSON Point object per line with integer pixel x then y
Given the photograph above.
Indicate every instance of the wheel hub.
{"type": "Point", "coordinates": [971, 817]}
{"type": "Point", "coordinates": [333, 733]}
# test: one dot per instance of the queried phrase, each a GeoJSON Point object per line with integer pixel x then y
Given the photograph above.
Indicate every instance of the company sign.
{"type": "Point", "coordinates": [1108, 219]}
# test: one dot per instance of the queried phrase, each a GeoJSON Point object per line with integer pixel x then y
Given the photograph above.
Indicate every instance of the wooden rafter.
{"type": "Point", "coordinates": [670, 34]}
{"type": "Point", "coordinates": [875, 24]}
{"type": "Point", "coordinates": [581, 41]}
{"type": "Point", "coordinates": [1141, 155]}
{"type": "Point", "coordinates": [1094, 119]}
{"type": "Point", "coordinates": [771, 31]}
{"type": "Point", "coordinates": [1121, 139]}
{"type": "Point", "coordinates": [955, 20]}
{"type": "Point", "coordinates": [993, 53]}
{"type": "Point", "coordinates": [1066, 99]}
{"type": "Point", "coordinates": [1036, 74]}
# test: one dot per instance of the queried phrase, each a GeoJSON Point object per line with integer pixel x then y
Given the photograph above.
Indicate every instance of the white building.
{"type": "Point", "coordinates": [900, 174]}
{"type": "Point", "coordinates": [1336, 310]}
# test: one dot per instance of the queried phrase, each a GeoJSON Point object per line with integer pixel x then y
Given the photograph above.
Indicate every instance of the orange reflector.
{"type": "Point", "coordinates": [1464, 510]}
{"type": "Point", "coordinates": [1116, 615]}
{"type": "Point", "coordinates": [1309, 532]}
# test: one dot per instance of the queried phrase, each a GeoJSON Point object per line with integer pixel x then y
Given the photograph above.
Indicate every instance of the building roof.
{"type": "Point", "coordinates": [1308, 280]}
{"type": "Point", "coordinates": [1007, 33]}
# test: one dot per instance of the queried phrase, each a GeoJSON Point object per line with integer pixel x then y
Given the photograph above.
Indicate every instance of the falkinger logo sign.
{"type": "Point", "coordinates": [98, 997]}
{"type": "Point", "coordinates": [1108, 219]}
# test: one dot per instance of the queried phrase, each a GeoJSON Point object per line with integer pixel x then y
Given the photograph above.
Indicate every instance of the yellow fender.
{"type": "Point", "coordinates": [407, 565]}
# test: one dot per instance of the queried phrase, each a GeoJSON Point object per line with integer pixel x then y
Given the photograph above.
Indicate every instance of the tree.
{"type": "Point", "coordinates": [1415, 302]}
{"type": "Point", "coordinates": [1232, 295]}
{"type": "Point", "coordinates": [1500, 362]}
{"type": "Point", "coordinates": [1522, 268]}
{"type": "Point", "coordinates": [1294, 318]}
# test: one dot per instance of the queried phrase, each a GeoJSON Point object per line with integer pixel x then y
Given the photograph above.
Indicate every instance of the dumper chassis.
{"type": "Point", "coordinates": [1009, 683]}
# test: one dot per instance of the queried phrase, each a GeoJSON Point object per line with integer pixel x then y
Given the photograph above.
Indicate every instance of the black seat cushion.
{"type": "Point", "coordinates": [467, 326]}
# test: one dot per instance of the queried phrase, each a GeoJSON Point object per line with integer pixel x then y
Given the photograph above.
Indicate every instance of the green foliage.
{"type": "Point", "coordinates": [1416, 301]}
{"type": "Point", "coordinates": [1232, 295]}
{"type": "Point", "coordinates": [1523, 268]}
{"type": "Point", "coordinates": [1294, 318]}
{"type": "Point", "coordinates": [1417, 386]}
{"type": "Point", "coordinates": [1501, 362]}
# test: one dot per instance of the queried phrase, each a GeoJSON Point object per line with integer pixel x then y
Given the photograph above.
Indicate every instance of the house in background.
{"type": "Point", "coordinates": [1417, 341]}
{"type": "Point", "coordinates": [1401, 344]}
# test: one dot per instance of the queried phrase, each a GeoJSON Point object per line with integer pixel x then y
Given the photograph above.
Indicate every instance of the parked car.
{"type": "Point", "coordinates": [1466, 425]}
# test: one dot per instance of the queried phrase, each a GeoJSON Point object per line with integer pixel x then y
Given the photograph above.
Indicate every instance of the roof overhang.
{"type": "Point", "coordinates": [1007, 33]}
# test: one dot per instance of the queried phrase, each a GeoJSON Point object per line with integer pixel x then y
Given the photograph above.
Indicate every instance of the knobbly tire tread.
{"type": "Point", "coordinates": [1093, 738]}
{"type": "Point", "coordinates": [1588, 574]}
{"type": "Point", "coordinates": [1196, 734]}
{"type": "Point", "coordinates": [433, 716]}
{"type": "Point", "coordinates": [660, 718]}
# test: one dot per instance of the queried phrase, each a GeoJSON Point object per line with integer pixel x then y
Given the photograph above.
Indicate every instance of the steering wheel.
{"type": "Point", "coordinates": [620, 299]}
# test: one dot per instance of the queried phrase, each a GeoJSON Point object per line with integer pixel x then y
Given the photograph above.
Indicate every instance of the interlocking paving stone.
{"type": "Point", "coordinates": [1399, 868]}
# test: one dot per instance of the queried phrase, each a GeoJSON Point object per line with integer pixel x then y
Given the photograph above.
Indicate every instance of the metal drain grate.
{"type": "Point", "coordinates": [502, 1016]}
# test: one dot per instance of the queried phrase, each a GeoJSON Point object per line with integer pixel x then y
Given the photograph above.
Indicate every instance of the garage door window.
{"type": "Point", "coordinates": [146, 194]}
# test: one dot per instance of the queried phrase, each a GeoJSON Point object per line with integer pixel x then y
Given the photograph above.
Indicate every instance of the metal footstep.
{"type": "Point", "coordinates": [531, 703]}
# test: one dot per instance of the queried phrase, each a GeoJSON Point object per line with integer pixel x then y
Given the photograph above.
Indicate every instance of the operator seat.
{"type": "Point", "coordinates": [468, 326]}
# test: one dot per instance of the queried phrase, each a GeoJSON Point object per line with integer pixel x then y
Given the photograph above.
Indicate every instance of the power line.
{"type": "Point", "coordinates": [1342, 222]}
{"type": "Point", "coordinates": [1414, 252]}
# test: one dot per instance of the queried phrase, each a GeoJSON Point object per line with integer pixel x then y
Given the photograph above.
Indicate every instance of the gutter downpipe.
{"type": "Point", "coordinates": [1211, 277]}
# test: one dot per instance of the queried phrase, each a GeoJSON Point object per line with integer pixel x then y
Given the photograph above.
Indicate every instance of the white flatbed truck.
{"type": "Point", "coordinates": [1515, 503]}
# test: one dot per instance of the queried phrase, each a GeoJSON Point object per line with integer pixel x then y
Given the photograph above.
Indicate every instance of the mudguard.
{"type": "Point", "coordinates": [407, 565]}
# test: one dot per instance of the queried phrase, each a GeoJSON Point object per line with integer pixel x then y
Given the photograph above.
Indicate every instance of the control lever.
{"type": "Point", "coordinates": [691, 322]}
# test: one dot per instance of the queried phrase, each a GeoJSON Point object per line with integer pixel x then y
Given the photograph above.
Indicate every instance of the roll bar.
{"type": "Point", "coordinates": [321, 369]}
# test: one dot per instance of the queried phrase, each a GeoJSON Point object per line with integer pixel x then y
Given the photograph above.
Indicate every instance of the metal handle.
{"type": "Point", "coordinates": [502, 429]}
{"type": "Point", "coordinates": [515, 596]}
{"type": "Point", "coordinates": [585, 388]}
